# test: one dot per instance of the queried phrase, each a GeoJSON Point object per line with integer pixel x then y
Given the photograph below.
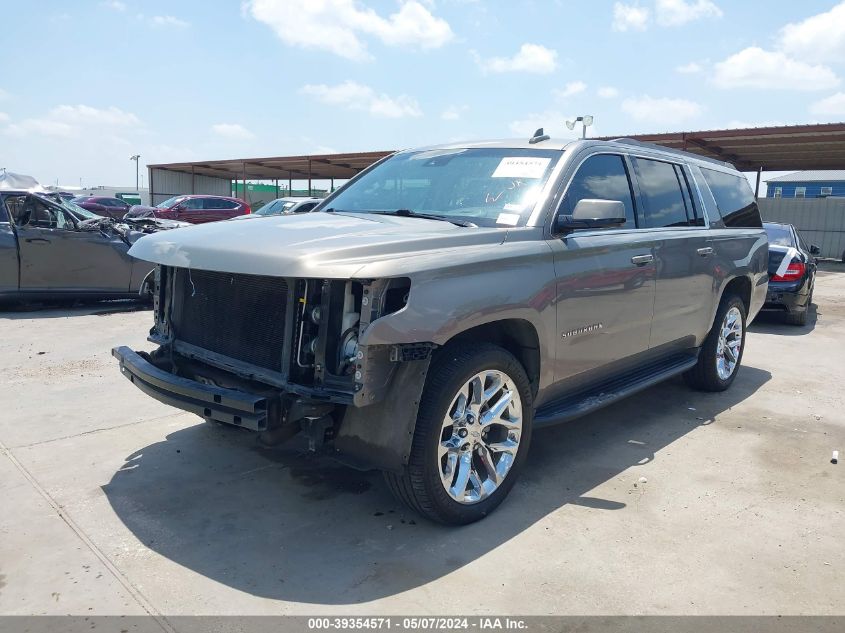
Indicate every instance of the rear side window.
{"type": "Point", "coordinates": [192, 203]}
{"type": "Point", "coordinates": [663, 197]}
{"type": "Point", "coordinates": [734, 198]}
{"type": "Point", "coordinates": [219, 203]}
{"type": "Point", "coordinates": [601, 177]}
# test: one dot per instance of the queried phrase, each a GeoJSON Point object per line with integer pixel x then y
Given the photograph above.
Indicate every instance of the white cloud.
{"type": "Point", "coordinates": [168, 21]}
{"type": "Point", "coordinates": [4, 95]}
{"type": "Point", "coordinates": [355, 96]}
{"type": "Point", "coordinates": [629, 17]}
{"type": "Point", "coordinates": [548, 120]}
{"type": "Point", "coordinates": [114, 5]}
{"type": "Point", "coordinates": [68, 121]}
{"type": "Point", "coordinates": [453, 112]}
{"type": "Point", "coordinates": [232, 131]}
{"type": "Point", "coordinates": [337, 26]}
{"type": "Point", "coordinates": [757, 68]}
{"type": "Point", "coordinates": [607, 92]}
{"type": "Point", "coordinates": [661, 111]}
{"type": "Point", "coordinates": [3, 117]}
{"type": "Point", "coordinates": [86, 114]}
{"type": "Point", "coordinates": [819, 38]}
{"type": "Point", "coordinates": [531, 58]}
{"type": "Point", "coordinates": [689, 69]}
{"type": "Point", "coordinates": [834, 105]}
{"type": "Point", "coordinates": [678, 12]}
{"type": "Point", "coordinates": [571, 89]}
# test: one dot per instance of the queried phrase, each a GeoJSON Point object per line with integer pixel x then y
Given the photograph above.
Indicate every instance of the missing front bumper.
{"type": "Point", "coordinates": [216, 403]}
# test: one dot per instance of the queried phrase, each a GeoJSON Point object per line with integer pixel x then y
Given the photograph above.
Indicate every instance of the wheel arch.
{"type": "Point", "coordinates": [740, 286]}
{"type": "Point", "coordinates": [517, 336]}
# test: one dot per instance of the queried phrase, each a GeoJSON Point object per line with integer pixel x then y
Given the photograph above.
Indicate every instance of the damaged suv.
{"type": "Point", "coordinates": [446, 302]}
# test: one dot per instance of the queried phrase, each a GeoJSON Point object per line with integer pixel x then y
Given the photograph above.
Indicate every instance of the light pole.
{"type": "Point", "coordinates": [135, 158]}
{"type": "Point", "coordinates": [586, 121]}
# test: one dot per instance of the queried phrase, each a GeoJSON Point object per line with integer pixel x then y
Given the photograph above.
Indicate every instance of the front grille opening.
{"type": "Point", "coordinates": [238, 316]}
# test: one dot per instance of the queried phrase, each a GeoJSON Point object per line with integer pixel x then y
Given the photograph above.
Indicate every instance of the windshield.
{"type": "Point", "coordinates": [75, 209]}
{"type": "Point", "coordinates": [779, 235]}
{"type": "Point", "coordinates": [486, 186]}
{"type": "Point", "coordinates": [169, 202]}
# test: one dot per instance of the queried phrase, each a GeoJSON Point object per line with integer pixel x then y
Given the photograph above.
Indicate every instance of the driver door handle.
{"type": "Point", "coordinates": [37, 240]}
{"type": "Point", "coordinates": [641, 260]}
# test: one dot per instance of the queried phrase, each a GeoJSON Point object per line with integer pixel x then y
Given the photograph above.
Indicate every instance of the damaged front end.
{"type": "Point", "coordinates": [283, 356]}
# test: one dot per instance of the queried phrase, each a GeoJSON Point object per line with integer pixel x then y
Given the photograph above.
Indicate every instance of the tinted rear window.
{"type": "Point", "coordinates": [665, 203]}
{"type": "Point", "coordinates": [734, 198]}
{"type": "Point", "coordinates": [779, 234]}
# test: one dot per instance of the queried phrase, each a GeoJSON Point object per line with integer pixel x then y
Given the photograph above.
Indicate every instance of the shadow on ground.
{"type": "Point", "coordinates": [280, 525]}
{"type": "Point", "coordinates": [773, 322]}
{"type": "Point", "coordinates": [70, 308]}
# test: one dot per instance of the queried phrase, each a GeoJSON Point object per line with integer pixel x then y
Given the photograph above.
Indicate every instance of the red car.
{"type": "Point", "coordinates": [196, 209]}
{"type": "Point", "coordinates": [114, 208]}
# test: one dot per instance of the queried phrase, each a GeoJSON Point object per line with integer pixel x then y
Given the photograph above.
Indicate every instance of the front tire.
{"type": "Point", "coordinates": [721, 353]}
{"type": "Point", "coordinates": [472, 435]}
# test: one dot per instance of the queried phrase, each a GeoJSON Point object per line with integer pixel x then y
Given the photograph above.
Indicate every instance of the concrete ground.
{"type": "Point", "coordinates": [671, 502]}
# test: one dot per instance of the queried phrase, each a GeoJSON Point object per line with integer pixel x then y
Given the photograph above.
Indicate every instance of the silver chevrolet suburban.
{"type": "Point", "coordinates": [433, 312]}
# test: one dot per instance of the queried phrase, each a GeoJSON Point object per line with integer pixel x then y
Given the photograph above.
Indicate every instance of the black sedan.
{"type": "Point", "coordinates": [792, 272]}
{"type": "Point", "coordinates": [51, 248]}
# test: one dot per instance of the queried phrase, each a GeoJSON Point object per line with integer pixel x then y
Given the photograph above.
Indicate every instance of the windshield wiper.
{"type": "Point", "coordinates": [407, 213]}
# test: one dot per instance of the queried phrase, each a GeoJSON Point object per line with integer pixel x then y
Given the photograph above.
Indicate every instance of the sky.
{"type": "Point", "coordinates": [88, 84]}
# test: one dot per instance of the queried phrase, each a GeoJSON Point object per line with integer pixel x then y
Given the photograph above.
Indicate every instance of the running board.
{"type": "Point", "coordinates": [611, 391]}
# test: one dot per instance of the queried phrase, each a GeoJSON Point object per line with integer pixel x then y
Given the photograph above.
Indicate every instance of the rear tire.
{"type": "Point", "coordinates": [797, 318]}
{"type": "Point", "coordinates": [715, 371]}
{"type": "Point", "coordinates": [465, 458]}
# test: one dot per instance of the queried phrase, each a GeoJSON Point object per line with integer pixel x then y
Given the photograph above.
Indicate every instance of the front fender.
{"type": "Point", "coordinates": [442, 304]}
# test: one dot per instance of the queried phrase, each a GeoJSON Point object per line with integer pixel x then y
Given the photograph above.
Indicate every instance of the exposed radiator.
{"type": "Point", "coordinates": [239, 316]}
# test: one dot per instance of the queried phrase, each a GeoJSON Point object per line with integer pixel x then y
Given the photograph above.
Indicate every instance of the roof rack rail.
{"type": "Point", "coordinates": [670, 150]}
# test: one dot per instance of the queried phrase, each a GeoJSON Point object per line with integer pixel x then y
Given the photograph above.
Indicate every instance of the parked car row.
{"type": "Point", "coordinates": [194, 209]}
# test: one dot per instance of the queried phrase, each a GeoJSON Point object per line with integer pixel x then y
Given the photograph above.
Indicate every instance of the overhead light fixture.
{"type": "Point", "coordinates": [586, 121]}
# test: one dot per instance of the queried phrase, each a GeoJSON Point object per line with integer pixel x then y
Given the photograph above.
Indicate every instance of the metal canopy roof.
{"type": "Point", "coordinates": [782, 148]}
{"type": "Point", "coordinates": [316, 167]}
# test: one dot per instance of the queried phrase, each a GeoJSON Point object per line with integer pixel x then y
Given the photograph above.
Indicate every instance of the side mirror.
{"type": "Point", "coordinates": [814, 250]}
{"type": "Point", "coordinates": [592, 214]}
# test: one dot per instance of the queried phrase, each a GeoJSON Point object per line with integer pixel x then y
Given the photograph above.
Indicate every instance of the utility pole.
{"type": "Point", "coordinates": [135, 157]}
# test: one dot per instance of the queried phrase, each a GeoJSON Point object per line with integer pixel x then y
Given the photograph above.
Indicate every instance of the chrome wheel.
{"type": "Point", "coordinates": [729, 345]}
{"type": "Point", "coordinates": [480, 436]}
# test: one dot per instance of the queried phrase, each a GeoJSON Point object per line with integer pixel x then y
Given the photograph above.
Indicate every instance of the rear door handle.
{"type": "Point", "coordinates": [641, 260]}
{"type": "Point", "coordinates": [704, 252]}
{"type": "Point", "coordinates": [37, 240]}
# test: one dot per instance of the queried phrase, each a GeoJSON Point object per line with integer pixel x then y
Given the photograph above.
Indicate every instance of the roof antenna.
{"type": "Point", "coordinates": [539, 136]}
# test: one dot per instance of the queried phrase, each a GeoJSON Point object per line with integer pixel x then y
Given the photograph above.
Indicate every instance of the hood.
{"type": "Point", "coordinates": [335, 245]}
